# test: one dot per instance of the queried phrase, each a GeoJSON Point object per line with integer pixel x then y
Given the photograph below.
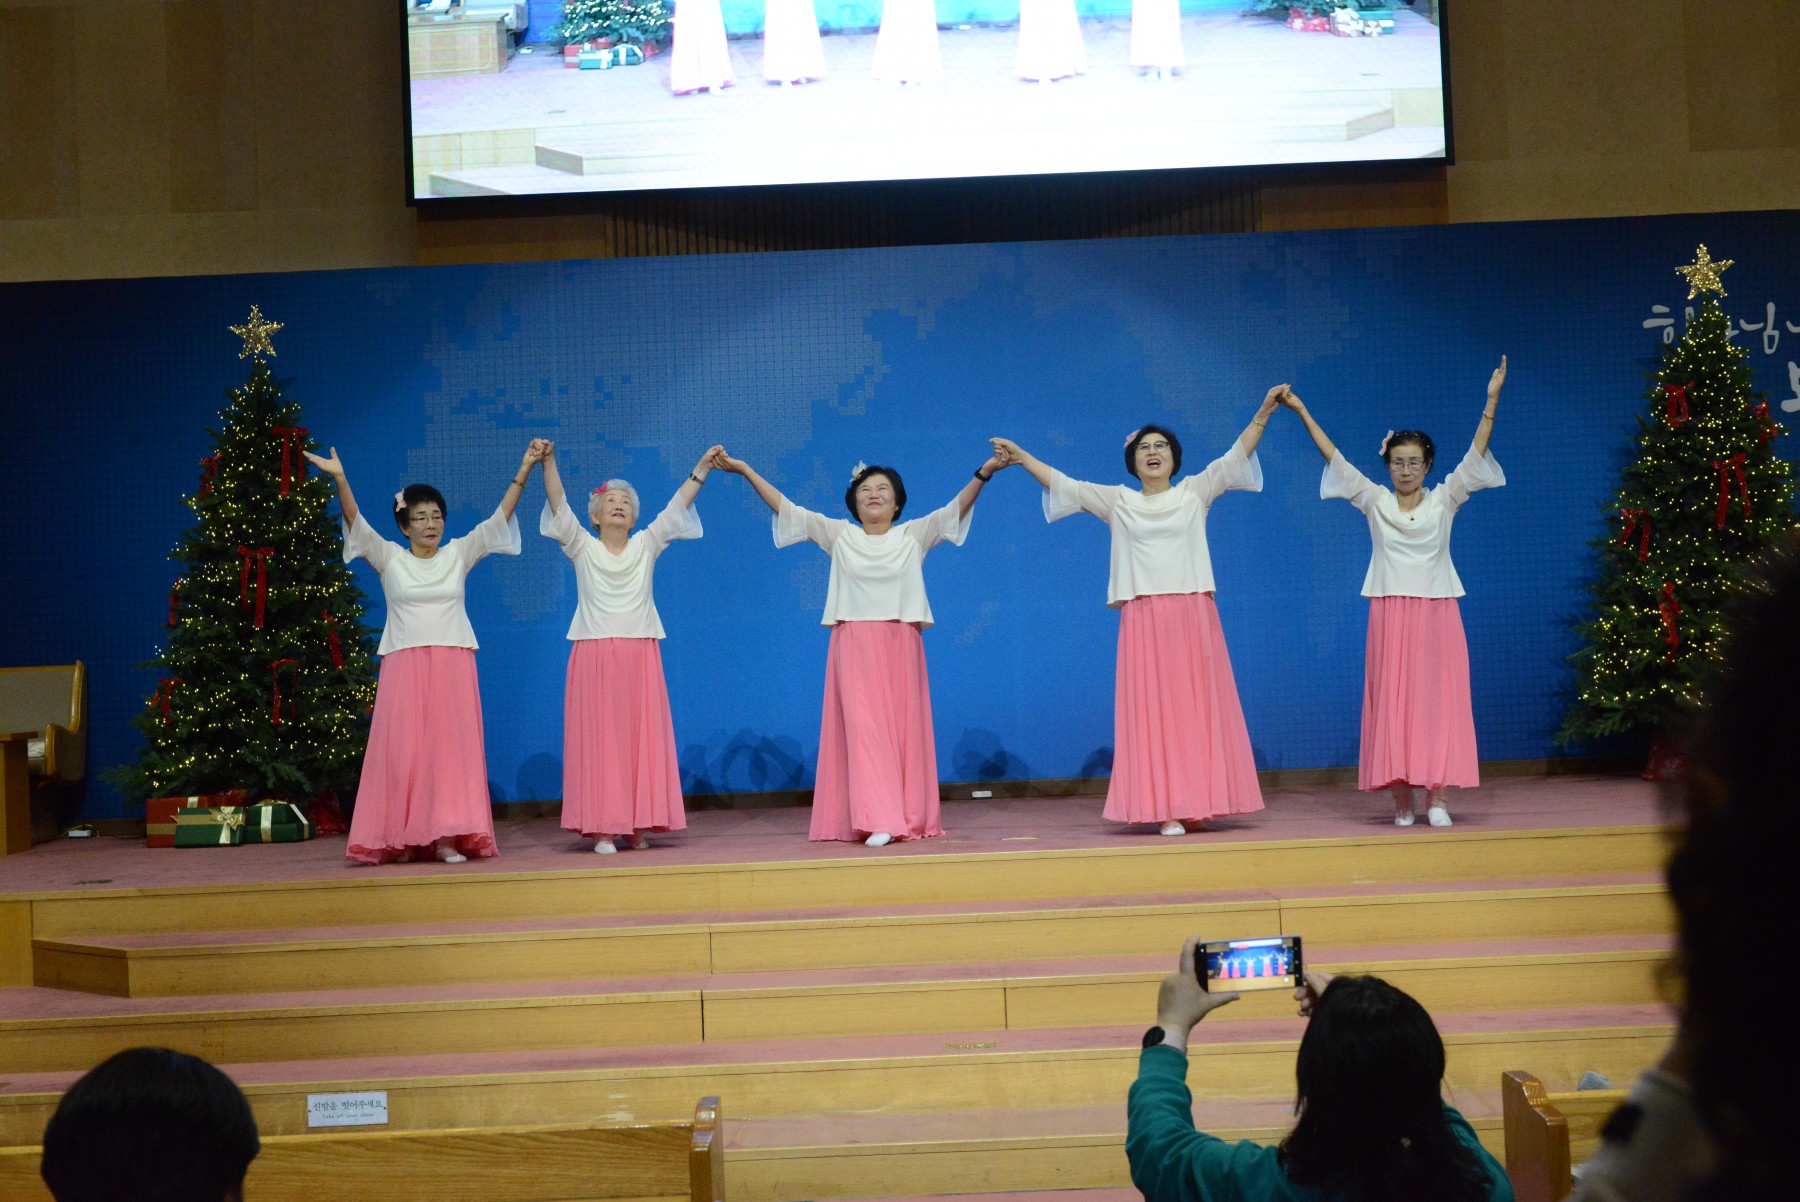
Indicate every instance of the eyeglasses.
{"type": "Point", "coordinates": [1401, 465]}
{"type": "Point", "coordinates": [1153, 446]}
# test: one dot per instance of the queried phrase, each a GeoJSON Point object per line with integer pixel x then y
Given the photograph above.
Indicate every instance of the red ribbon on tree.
{"type": "Point", "coordinates": [1670, 608]}
{"type": "Point", "coordinates": [165, 693]}
{"type": "Point", "coordinates": [275, 667]}
{"type": "Point", "coordinates": [337, 649]}
{"type": "Point", "coordinates": [291, 446]}
{"type": "Point", "coordinates": [209, 468]}
{"type": "Point", "coordinates": [1734, 463]}
{"type": "Point", "coordinates": [174, 600]}
{"type": "Point", "coordinates": [1636, 520]}
{"type": "Point", "coordinates": [1770, 428]}
{"type": "Point", "coordinates": [1678, 406]}
{"type": "Point", "coordinates": [261, 556]}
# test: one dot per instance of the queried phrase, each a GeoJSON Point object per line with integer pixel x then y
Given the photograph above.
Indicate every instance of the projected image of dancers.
{"type": "Point", "coordinates": [526, 97]}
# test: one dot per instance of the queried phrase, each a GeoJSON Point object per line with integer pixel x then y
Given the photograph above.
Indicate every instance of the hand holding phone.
{"type": "Point", "coordinates": [1250, 964]}
{"type": "Point", "coordinates": [1312, 988]}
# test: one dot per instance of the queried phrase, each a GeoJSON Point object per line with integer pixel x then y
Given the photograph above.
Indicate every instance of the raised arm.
{"type": "Point", "coordinates": [1254, 431]}
{"type": "Point", "coordinates": [1484, 430]}
{"type": "Point", "coordinates": [768, 492]}
{"type": "Point", "coordinates": [1010, 452]}
{"type": "Point", "coordinates": [334, 468]}
{"type": "Point", "coordinates": [1312, 427]}
{"type": "Point", "coordinates": [509, 501]}
{"type": "Point", "coordinates": [690, 488]}
{"type": "Point", "coordinates": [965, 499]}
{"type": "Point", "coordinates": [553, 485]}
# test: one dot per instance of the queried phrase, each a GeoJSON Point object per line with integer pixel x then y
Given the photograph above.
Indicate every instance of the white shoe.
{"type": "Point", "coordinates": [1405, 819]}
{"type": "Point", "coordinates": [878, 839]}
{"type": "Point", "coordinates": [604, 847]}
{"type": "Point", "coordinates": [1438, 816]}
{"type": "Point", "coordinates": [449, 855]}
{"type": "Point", "coordinates": [1172, 828]}
{"type": "Point", "coordinates": [638, 842]}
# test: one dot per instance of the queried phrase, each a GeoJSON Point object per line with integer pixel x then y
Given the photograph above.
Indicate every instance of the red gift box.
{"type": "Point", "coordinates": [159, 813]}
{"type": "Point", "coordinates": [1317, 23]}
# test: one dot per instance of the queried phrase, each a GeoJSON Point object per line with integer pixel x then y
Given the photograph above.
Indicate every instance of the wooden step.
{"type": "Point", "coordinates": [977, 1070]}
{"type": "Point", "coordinates": [43, 1030]}
{"type": "Point", "coordinates": [340, 897]}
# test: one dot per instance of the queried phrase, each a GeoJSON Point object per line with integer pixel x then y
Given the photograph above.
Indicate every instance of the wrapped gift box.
{"type": "Point", "coordinates": [159, 813]}
{"type": "Point", "coordinates": [276, 822]}
{"type": "Point", "coordinates": [209, 826]}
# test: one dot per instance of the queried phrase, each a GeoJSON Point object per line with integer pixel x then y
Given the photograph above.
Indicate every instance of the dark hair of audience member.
{"type": "Point", "coordinates": [875, 469]}
{"type": "Point", "coordinates": [1735, 882]}
{"type": "Point", "coordinates": [1371, 1117]}
{"type": "Point", "coordinates": [150, 1125]}
{"type": "Point", "coordinates": [412, 495]}
{"type": "Point", "coordinates": [1144, 432]}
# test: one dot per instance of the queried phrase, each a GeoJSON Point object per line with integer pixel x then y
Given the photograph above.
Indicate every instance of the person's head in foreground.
{"type": "Point", "coordinates": [150, 1125]}
{"type": "Point", "coordinates": [1735, 882]}
{"type": "Point", "coordinates": [1371, 1125]}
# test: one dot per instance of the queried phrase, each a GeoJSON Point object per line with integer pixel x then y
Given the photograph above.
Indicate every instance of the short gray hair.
{"type": "Point", "coordinates": [606, 486]}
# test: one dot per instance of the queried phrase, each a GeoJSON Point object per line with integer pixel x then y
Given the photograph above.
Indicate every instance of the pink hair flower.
{"type": "Point", "coordinates": [1384, 444]}
{"type": "Point", "coordinates": [1132, 437]}
{"type": "Point", "coordinates": [400, 500]}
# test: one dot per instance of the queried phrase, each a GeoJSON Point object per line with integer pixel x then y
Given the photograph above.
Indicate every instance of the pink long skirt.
{"type": "Point", "coordinates": [877, 758]}
{"type": "Point", "coordinates": [1417, 723]}
{"type": "Point", "coordinates": [906, 48]}
{"type": "Point", "coordinates": [620, 773]}
{"type": "Point", "coordinates": [424, 776]}
{"type": "Point", "coordinates": [700, 58]}
{"type": "Point", "coordinates": [1156, 34]}
{"type": "Point", "coordinates": [1181, 748]}
{"type": "Point", "coordinates": [792, 51]}
{"type": "Point", "coordinates": [1050, 45]}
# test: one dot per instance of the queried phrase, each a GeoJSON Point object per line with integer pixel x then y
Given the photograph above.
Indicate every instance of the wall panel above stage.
{"type": "Point", "coordinates": [806, 363]}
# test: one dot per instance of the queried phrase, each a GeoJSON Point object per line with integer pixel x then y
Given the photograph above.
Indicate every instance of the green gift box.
{"type": "Point", "coordinates": [209, 826]}
{"type": "Point", "coordinates": [276, 822]}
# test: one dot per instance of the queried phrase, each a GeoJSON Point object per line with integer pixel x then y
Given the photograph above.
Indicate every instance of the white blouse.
{"type": "Point", "coordinates": [615, 601]}
{"type": "Point", "coordinates": [874, 577]}
{"type": "Point", "coordinates": [1158, 542]}
{"type": "Point", "coordinates": [1411, 555]}
{"type": "Point", "coordinates": [425, 596]}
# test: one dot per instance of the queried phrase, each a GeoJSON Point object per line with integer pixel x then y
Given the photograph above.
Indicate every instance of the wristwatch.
{"type": "Point", "coordinates": [1154, 1036]}
{"type": "Point", "coordinates": [980, 477]}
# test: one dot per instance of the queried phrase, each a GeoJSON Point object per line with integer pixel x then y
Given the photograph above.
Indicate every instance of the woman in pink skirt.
{"type": "Point", "coordinates": [792, 50]}
{"type": "Point", "coordinates": [1181, 751]}
{"type": "Point", "coordinates": [877, 779]}
{"type": "Point", "coordinates": [1050, 44]}
{"type": "Point", "coordinates": [1418, 726]}
{"type": "Point", "coordinates": [424, 775]}
{"type": "Point", "coordinates": [620, 775]}
{"type": "Point", "coordinates": [700, 60]}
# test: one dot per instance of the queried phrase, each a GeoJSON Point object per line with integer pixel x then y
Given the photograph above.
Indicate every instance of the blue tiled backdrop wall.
{"type": "Point", "coordinates": [806, 363]}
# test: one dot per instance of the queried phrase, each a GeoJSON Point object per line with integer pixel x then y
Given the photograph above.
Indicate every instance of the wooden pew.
{"type": "Point", "coordinates": [1547, 1133]}
{"type": "Point", "coordinates": [676, 1162]}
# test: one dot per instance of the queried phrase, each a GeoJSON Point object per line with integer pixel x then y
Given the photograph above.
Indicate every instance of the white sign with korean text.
{"type": "Point", "coordinates": [367, 1109]}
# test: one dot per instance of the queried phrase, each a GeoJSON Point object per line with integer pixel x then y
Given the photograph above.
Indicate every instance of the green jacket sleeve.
{"type": "Point", "coordinates": [1171, 1161]}
{"type": "Point", "coordinates": [1500, 1189]}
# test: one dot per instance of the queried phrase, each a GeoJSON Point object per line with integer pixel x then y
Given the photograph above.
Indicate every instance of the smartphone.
{"type": "Point", "coordinates": [1241, 965]}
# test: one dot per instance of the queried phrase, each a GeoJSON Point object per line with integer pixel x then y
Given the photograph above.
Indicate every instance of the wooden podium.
{"type": "Point", "coordinates": [454, 43]}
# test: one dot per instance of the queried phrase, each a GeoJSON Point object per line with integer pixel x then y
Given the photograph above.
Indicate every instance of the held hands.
{"type": "Point", "coordinates": [1180, 1002]}
{"type": "Point", "coordinates": [708, 461]}
{"type": "Point", "coordinates": [331, 466]}
{"type": "Point", "coordinates": [726, 463]}
{"type": "Point", "coordinates": [1287, 398]}
{"type": "Point", "coordinates": [1006, 451]}
{"type": "Point", "coordinates": [1496, 381]}
{"type": "Point", "coordinates": [1311, 991]}
{"type": "Point", "coordinates": [542, 448]}
{"type": "Point", "coordinates": [1275, 399]}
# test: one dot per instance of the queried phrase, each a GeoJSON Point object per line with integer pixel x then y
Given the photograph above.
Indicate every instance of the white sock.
{"type": "Point", "coordinates": [878, 839]}
{"type": "Point", "coordinates": [1173, 827]}
{"type": "Point", "coordinates": [1405, 819]}
{"type": "Point", "coordinates": [604, 847]}
{"type": "Point", "coordinates": [1438, 816]}
{"type": "Point", "coordinates": [447, 854]}
{"type": "Point", "coordinates": [638, 842]}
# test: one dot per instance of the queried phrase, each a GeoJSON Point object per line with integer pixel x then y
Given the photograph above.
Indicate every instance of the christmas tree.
{"type": "Point", "coordinates": [268, 677]}
{"type": "Point", "coordinates": [627, 22]}
{"type": "Point", "coordinates": [1704, 497]}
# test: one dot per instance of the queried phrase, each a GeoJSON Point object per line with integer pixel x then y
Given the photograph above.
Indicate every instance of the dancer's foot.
{"type": "Point", "coordinates": [1405, 819]}
{"type": "Point", "coordinates": [1438, 816]}
{"type": "Point", "coordinates": [447, 853]}
{"type": "Point", "coordinates": [1404, 806]}
{"type": "Point", "coordinates": [604, 847]}
{"type": "Point", "coordinates": [1195, 826]}
{"type": "Point", "coordinates": [638, 841]}
{"type": "Point", "coordinates": [1172, 828]}
{"type": "Point", "coordinates": [878, 839]}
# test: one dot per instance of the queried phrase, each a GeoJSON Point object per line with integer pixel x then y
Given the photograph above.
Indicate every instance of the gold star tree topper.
{"type": "Point", "coordinates": [1703, 274]}
{"type": "Point", "coordinates": [255, 332]}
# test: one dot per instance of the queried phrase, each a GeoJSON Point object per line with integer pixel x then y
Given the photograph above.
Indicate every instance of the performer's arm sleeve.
{"type": "Point", "coordinates": [947, 525]}
{"type": "Point", "coordinates": [1473, 474]}
{"type": "Point", "coordinates": [360, 540]}
{"type": "Point", "coordinates": [1341, 480]}
{"type": "Point", "coordinates": [678, 520]}
{"type": "Point", "coordinates": [1063, 496]}
{"type": "Point", "coordinates": [797, 524]}
{"type": "Point", "coordinates": [499, 535]}
{"type": "Point", "coordinates": [1232, 470]}
{"type": "Point", "coordinates": [561, 524]}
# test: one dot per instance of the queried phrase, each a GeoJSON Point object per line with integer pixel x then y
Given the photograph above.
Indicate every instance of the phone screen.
{"type": "Point", "coordinates": [1242, 965]}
